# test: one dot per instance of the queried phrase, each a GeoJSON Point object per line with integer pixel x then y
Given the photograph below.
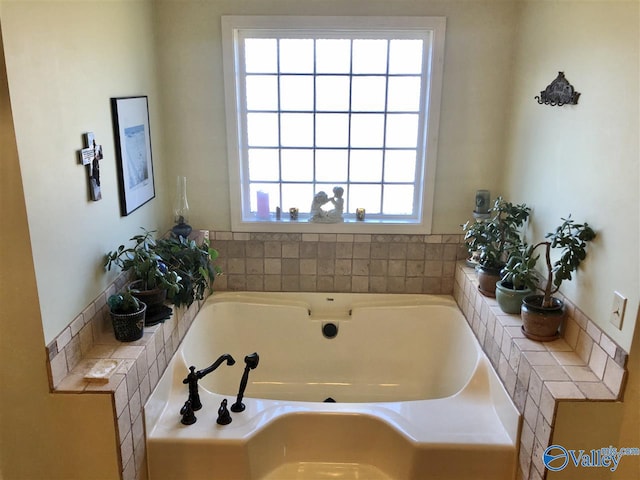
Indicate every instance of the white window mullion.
{"type": "Point", "coordinates": [371, 116]}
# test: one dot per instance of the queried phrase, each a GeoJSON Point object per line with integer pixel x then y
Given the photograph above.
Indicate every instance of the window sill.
{"type": "Point", "coordinates": [302, 225]}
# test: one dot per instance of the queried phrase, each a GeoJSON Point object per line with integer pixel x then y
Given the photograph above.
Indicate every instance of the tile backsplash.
{"type": "Point", "coordinates": [338, 262]}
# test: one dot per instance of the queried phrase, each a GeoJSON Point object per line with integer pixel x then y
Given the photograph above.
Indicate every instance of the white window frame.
{"type": "Point", "coordinates": [232, 28]}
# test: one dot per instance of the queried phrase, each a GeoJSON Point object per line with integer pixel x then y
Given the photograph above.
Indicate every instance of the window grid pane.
{"type": "Point", "coordinates": [356, 121]}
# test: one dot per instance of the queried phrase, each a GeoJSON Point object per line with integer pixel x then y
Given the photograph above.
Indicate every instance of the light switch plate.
{"type": "Point", "coordinates": [617, 310]}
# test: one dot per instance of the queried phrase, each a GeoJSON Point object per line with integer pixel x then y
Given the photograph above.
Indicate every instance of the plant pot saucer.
{"type": "Point", "coordinates": [538, 338]}
{"type": "Point", "coordinates": [159, 315]}
{"type": "Point", "coordinates": [486, 293]}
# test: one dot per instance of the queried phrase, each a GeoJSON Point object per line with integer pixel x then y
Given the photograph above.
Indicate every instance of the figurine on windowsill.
{"type": "Point", "coordinates": [318, 215]}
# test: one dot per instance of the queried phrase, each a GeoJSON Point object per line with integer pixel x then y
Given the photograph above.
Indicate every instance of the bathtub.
{"type": "Point", "coordinates": [415, 396]}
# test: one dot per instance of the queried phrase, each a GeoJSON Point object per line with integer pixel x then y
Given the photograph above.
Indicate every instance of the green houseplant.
{"type": "Point", "coordinates": [127, 316]}
{"type": "Point", "coordinates": [543, 313]}
{"type": "Point", "coordinates": [152, 281]}
{"type": "Point", "coordinates": [194, 265]}
{"type": "Point", "coordinates": [519, 279]}
{"type": "Point", "coordinates": [493, 239]}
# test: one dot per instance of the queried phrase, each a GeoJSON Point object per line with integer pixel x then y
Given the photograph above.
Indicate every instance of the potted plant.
{"type": "Point", "coordinates": [152, 281]}
{"type": "Point", "coordinates": [193, 263]}
{"type": "Point", "coordinates": [543, 313]}
{"type": "Point", "coordinates": [519, 279]}
{"type": "Point", "coordinates": [493, 239]}
{"type": "Point", "coordinates": [127, 316]}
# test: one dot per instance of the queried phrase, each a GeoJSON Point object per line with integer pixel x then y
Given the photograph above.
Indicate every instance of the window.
{"type": "Point", "coordinates": [344, 105]}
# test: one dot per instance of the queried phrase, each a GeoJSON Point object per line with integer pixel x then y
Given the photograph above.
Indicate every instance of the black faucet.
{"type": "Point", "coordinates": [224, 417]}
{"type": "Point", "coordinates": [193, 377]}
{"type": "Point", "coordinates": [251, 362]}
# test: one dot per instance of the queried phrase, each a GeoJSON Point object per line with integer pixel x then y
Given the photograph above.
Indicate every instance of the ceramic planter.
{"type": "Point", "coordinates": [510, 299]}
{"type": "Point", "coordinates": [128, 327]}
{"type": "Point", "coordinates": [541, 323]}
{"type": "Point", "coordinates": [487, 278]}
{"type": "Point", "coordinates": [155, 301]}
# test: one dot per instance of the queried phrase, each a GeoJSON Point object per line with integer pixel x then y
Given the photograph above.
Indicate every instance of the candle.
{"type": "Point", "coordinates": [293, 213]}
{"type": "Point", "coordinates": [263, 204]}
{"type": "Point", "coordinates": [360, 212]}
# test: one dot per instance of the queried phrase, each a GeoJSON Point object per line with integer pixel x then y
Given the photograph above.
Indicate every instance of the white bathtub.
{"type": "Point", "coordinates": [415, 395]}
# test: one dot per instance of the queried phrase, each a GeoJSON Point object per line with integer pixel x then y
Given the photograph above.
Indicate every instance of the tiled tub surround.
{"type": "Point", "coordinates": [583, 365]}
{"type": "Point", "coordinates": [250, 261]}
{"type": "Point", "coordinates": [337, 262]}
{"type": "Point", "coordinates": [90, 338]}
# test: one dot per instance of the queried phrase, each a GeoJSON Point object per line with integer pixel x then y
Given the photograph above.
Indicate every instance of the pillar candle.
{"type": "Point", "coordinates": [263, 204]}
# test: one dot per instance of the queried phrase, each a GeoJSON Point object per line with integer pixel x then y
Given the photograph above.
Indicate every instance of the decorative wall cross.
{"type": "Point", "coordinates": [90, 156]}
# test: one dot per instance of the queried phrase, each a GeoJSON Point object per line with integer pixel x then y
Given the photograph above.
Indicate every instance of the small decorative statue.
{"type": "Point", "coordinates": [318, 215]}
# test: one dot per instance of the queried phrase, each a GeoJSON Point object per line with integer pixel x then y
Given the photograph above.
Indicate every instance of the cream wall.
{"type": "Point", "coordinates": [65, 60]}
{"type": "Point", "coordinates": [41, 435]}
{"type": "Point", "coordinates": [478, 57]}
{"type": "Point", "coordinates": [582, 160]}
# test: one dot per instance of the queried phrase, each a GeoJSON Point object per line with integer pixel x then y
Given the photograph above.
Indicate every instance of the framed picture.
{"type": "Point", "coordinates": [133, 152]}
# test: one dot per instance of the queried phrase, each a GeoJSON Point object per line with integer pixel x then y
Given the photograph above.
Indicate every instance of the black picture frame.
{"type": "Point", "coordinates": [133, 152]}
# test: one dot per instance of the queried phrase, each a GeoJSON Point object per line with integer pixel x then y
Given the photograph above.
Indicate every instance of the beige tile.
{"type": "Point", "coordinates": [58, 366]}
{"type": "Point", "coordinates": [584, 346]}
{"type": "Point", "coordinates": [613, 376]}
{"type": "Point", "coordinates": [310, 237]}
{"type": "Point", "coordinates": [608, 345]}
{"type": "Point", "coordinates": [133, 352]}
{"type": "Point", "coordinates": [290, 250]}
{"type": "Point", "coordinates": [559, 345]}
{"type": "Point", "coordinates": [594, 332]}
{"type": "Point", "coordinates": [531, 412]}
{"type": "Point", "coordinates": [598, 360]}
{"type": "Point", "coordinates": [362, 238]}
{"type": "Point", "coordinates": [571, 332]}
{"type": "Point", "coordinates": [272, 266]}
{"type": "Point", "coordinates": [327, 237]}
{"type": "Point", "coordinates": [551, 372]}
{"type": "Point", "coordinates": [63, 339]}
{"type": "Point", "coordinates": [524, 371]}
{"type": "Point", "coordinates": [568, 358]}
{"type": "Point", "coordinates": [580, 374]}
{"type": "Point", "coordinates": [72, 383]}
{"type": "Point", "coordinates": [563, 390]}
{"type": "Point", "coordinates": [543, 430]}
{"type": "Point", "coordinates": [595, 391]}
{"type": "Point", "coordinates": [529, 345]}
{"type": "Point", "coordinates": [308, 266]}
{"type": "Point", "coordinates": [360, 283]}
{"type": "Point", "coordinates": [547, 404]}
{"type": "Point", "coordinates": [540, 358]}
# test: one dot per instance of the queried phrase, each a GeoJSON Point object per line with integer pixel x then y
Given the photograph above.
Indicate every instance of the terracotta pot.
{"type": "Point", "coordinates": [487, 279]}
{"type": "Point", "coordinates": [541, 323]}
{"type": "Point", "coordinates": [510, 299]}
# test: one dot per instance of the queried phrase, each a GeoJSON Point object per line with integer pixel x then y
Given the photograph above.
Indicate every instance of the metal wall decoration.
{"type": "Point", "coordinates": [90, 157]}
{"type": "Point", "coordinates": [558, 93]}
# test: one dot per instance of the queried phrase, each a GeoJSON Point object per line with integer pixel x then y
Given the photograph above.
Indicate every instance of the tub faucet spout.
{"type": "Point", "coordinates": [206, 371]}
{"type": "Point", "coordinates": [194, 376]}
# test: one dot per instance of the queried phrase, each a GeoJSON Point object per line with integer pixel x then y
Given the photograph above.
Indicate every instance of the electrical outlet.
{"type": "Point", "coordinates": [617, 310]}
